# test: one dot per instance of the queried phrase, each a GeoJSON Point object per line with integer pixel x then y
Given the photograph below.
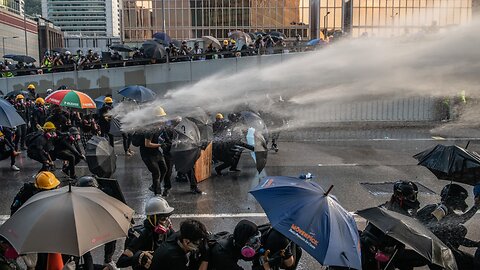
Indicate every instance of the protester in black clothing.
{"type": "Point", "coordinates": [229, 152]}
{"type": "Point", "coordinates": [41, 144]}
{"type": "Point", "coordinates": [67, 148]}
{"type": "Point", "coordinates": [448, 226]}
{"type": "Point", "coordinates": [167, 135]}
{"type": "Point", "coordinates": [243, 244]}
{"type": "Point", "coordinates": [43, 181]}
{"type": "Point", "coordinates": [22, 109]}
{"type": "Point", "coordinates": [144, 240]}
{"type": "Point", "coordinates": [277, 250]}
{"type": "Point", "coordinates": [220, 125]}
{"type": "Point", "coordinates": [104, 119]}
{"type": "Point", "coordinates": [39, 114]}
{"type": "Point", "coordinates": [7, 150]}
{"type": "Point", "coordinates": [88, 128]}
{"type": "Point", "coordinates": [31, 90]}
{"type": "Point", "coordinates": [180, 250]}
{"type": "Point", "coordinates": [58, 118]}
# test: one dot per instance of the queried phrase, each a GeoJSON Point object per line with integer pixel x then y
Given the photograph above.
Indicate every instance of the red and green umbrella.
{"type": "Point", "coordinates": [71, 98]}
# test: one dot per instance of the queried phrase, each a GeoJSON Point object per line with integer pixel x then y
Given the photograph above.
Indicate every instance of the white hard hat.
{"type": "Point", "coordinates": [158, 206]}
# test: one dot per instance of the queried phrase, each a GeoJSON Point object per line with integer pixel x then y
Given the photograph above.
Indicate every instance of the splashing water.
{"type": "Point", "coordinates": [441, 64]}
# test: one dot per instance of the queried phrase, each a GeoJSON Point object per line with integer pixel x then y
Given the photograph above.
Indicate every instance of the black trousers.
{"type": "Point", "coordinates": [168, 174]}
{"type": "Point", "coordinates": [41, 157]}
{"type": "Point", "coordinates": [127, 141]}
{"type": "Point", "coordinates": [5, 155]}
{"type": "Point", "coordinates": [232, 162]}
{"type": "Point", "coordinates": [20, 136]}
{"type": "Point", "coordinates": [157, 166]}
{"type": "Point", "coordinates": [72, 160]}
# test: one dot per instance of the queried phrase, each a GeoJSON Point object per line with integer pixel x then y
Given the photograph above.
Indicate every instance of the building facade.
{"type": "Point", "coordinates": [15, 6]}
{"type": "Point", "coordinates": [49, 36]}
{"type": "Point", "coordinates": [18, 34]}
{"type": "Point", "coordinates": [84, 17]}
{"type": "Point", "coordinates": [184, 19]}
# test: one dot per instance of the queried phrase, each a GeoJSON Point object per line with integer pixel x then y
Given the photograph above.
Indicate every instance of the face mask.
{"type": "Point", "coordinates": [251, 247]}
{"type": "Point", "coordinates": [382, 257]}
{"type": "Point", "coordinates": [50, 135]}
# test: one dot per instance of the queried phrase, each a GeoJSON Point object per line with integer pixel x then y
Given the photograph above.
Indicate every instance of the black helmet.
{"type": "Point", "coordinates": [406, 192]}
{"type": "Point", "coordinates": [73, 131]}
{"type": "Point", "coordinates": [87, 181]}
{"type": "Point", "coordinates": [454, 195]}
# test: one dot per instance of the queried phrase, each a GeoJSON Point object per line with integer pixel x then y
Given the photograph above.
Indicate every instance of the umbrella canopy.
{"type": "Point", "coordinates": [451, 163]}
{"type": "Point", "coordinates": [203, 123]}
{"type": "Point", "coordinates": [20, 58]}
{"type": "Point", "coordinates": [67, 221]}
{"type": "Point", "coordinates": [411, 233]}
{"type": "Point", "coordinates": [186, 146]}
{"type": "Point", "coordinates": [9, 116]}
{"type": "Point", "coordinates": [115, 127]}
{"type": "Point", "coordinates": [214, 41]}
{"type": "Point", "coordinates": [253, 120]}
{"type": "Point", "coordinates": [316, 222]}
{"type": "Point", "coordinates": [100, 157]}
{"type": "Point", "coordinates": [71, 99]}
{"type": "Point", "coordinates": [256, 139]}
{"type": "Point", "coordinates": [162, 37]}
{"type": "Point", "coordinates": [277, 34]}
{"type": "Point", "coordinates": [138, 93]}
{"type": "Point", "coordinates": [14, 93]}
{"type": "Point", "coordinates": [313, 42]}
{"type": "Point", "coordinates": [121, 48]}
{"type": "Point", "coordinates": [153, 49]}
{"type": "Point", "coordinates": [238, 35]}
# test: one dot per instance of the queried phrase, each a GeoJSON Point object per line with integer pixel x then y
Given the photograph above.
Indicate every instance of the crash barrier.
{"type": "Point", "coordinates": [163, 77]}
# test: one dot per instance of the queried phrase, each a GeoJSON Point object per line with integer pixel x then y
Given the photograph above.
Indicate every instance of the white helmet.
{"type": "Point", "coordinates": [157, 206]}
{"type": "Point", "coordinates": [49, 91]}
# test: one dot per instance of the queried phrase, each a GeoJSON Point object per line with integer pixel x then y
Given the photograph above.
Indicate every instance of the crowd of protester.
{"type": "Point", "coordinates": [62, 60]}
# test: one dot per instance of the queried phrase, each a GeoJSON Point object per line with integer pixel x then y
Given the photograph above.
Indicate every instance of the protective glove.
{"type": "Point", "coordinates": [30, 260]}
{"type": "Point", "coordinates": [145, 259]}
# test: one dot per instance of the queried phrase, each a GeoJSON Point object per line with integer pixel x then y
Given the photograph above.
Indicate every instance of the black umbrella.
{"type": "Point", "coordinates": [20, 58]}
{"type": "Point", "coordinates": [115, 127]}
{"type": "Point", "coordinates": [411, 233]}
{"type": "Point", "coordinates": [121, 48]}
{"type": "Point", "coordinates": [153, 49]}
{"type": "Point", "coordinates": [256, 139]}
{"type": "Point", "coordinates": [14, 93]}
{"type": "Point", "coordinates": [277, 34]}
{"type": "Point", "coordinates": [451, 163]}
{"type": "Point", "coordinates": [1, 93]}
{"type": "Point", "coordinates": [204, 125]}
{"type": "Point", "coordinates": [100, 156]}
{"type": "Point", "coordinates": [186, 146]}
{"type": "Point", "coordinates": [239, 35]}
{"type": "Point", "coordinates": [162, 38]}
{"type": "Point", "coordinates": [253, 120]}
{"type": "Point", "coordinates": [8, 115]}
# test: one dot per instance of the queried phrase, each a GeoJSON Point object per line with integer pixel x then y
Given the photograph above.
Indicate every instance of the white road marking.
{"type": "Point", "coordinates": [338, 165]}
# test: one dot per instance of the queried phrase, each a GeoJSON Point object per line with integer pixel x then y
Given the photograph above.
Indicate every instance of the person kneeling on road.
{"type": "Point", "coordinates": [40, 144]}
{"type": "Point", "coordinates": [144, 239]}
{"type": "Point", "coordinates": [67, 148]}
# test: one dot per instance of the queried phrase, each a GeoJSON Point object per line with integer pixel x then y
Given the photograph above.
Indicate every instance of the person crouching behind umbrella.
{"type": "Point", "coordinates": [7, 150]}
{"type": "Point", "coordinates": [40, 144]}
{"type": "Point", "coordinates": [144, 239]}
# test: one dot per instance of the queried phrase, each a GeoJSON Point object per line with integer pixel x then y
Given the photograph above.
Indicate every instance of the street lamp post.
{"type": "Point", "coordinates": [3, 43]}
{"type": "Point", "coordinates": [325, 24]}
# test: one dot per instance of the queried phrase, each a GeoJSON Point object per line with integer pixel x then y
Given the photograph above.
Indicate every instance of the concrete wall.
{"type": "Point", "coordinates": [163, 77]}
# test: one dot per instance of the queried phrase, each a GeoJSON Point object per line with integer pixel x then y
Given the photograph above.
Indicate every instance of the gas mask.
{"type": "Point", "coordinates": [161, 225]}
{"type": "Point", "coordinates": [251, 247]}
{"type": "Point", "coordinates": [50, 135]}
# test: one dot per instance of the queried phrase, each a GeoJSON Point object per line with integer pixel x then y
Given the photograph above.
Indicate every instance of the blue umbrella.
{"type": "Point", "coordinates": [163, 37]}
{"type": "Point", "coordinates": [304, 213]}
{"type": "Point", "coordinates": [8, 115]}
{"type": "Point", "coordinates": [138, 93]}
{"type": "Point", "coordinates": [313, 42]}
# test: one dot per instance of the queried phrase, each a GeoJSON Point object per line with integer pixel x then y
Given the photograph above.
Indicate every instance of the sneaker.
{"type": "Point", "coordinates": [14, 168]}
{"type": "Point", "coordinates": [131, 151]}
{"type": "Point", "coordinates": [166, 192]}
{"type": "Point", "coordinates": [196, 190]}
{"type": "Point", "coordinates": [128, 154]}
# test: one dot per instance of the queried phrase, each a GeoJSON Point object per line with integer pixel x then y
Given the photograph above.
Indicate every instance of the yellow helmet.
{"type": "Point", "coordinates": [233, 41]}
{"type": "Point", "coordinates": [31, 86]}
{"type": "Point", "coordinates": [219, 116]}
{"type": "Point", "coordinates": [108, 100]}
{"type": "Point", "coordinates": [46, 181]}
{"type": "Point", "coordinates": [225, 42]}
{"type": "Point", "coordinates": [160, 111]}
{"type": "Point", "coordinates": [1, 134]}
{"type": "Point", "coordinates": [40, 101]}
{"type": "Point", "coordinates": [48, 126]}
{"type": "Point", "coordinates": [20, 96]}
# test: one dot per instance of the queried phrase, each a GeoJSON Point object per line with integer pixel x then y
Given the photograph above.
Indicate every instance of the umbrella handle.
{"type": "Point", "coordinates": [391, 259]}
{"type": "Point", "coordinates": [328, 191]}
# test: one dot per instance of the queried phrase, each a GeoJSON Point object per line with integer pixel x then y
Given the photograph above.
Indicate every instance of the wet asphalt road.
{"type": "Point", "coordinates": [335, 157]}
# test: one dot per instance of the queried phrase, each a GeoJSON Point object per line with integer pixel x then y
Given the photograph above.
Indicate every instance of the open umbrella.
{"type": "Point", "coordinates": [68, 220]}
{"type": "Point", "coordinates": [253, 120]}
{"type": "Point", "coordinates": [100, 157]}
{"type": "Point", "coordinates": [71, 99]}
{"type": "Point", "coordinates": [186, 146]}
{"type": "Point", "coordinates": [115, 127]}
{"type": "Point", "coordinates": [9, 116]}
{"type": "Point", "coordinates": [204, 125]}
{"type": "Point", "coordinates": [121, 48]}
{"type": "Point", "coordinates": [451, 163]}
{"type": "Point", "coordinates": [138, 93]}
{"type": "Point", "coordinates": [20, 58]}
{"type": "Point", "coordinates": [411, 233]}
{"type": "Point", "coordinates": [238, 35]}
{"type": "Point", "coordinates": [154, 50]}
{"type": "Point", "coordinates": [313, 42]}
{"type": "Point", "coordinates": [277, 34]}
{"type": "Point", "coordinates": [260, 152]}
{"type": "Point", "coordinates": [214, 41]}
{"type": "Point", "coordinates": [162, 38]}
{"type": "Point", "coordinates": [13, 94]}
{"type": "Point", "coordinates": [303, 212]}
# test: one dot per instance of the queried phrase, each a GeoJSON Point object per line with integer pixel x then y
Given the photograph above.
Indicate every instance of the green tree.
{"type": "Point", "coordinates": [33, 7]}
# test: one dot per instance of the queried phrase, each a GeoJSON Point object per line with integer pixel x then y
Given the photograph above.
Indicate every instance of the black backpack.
{"type": "Point", "coordinates": [217, 237]}
{"type": "Point", "coordinates": [31, 138]}
{"type": "Point", "coordinates": [25, 193]}
{"type": "Point", "coordinates": [133, 232]}
{"type": "Point", "coordinates": [138, 139]}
